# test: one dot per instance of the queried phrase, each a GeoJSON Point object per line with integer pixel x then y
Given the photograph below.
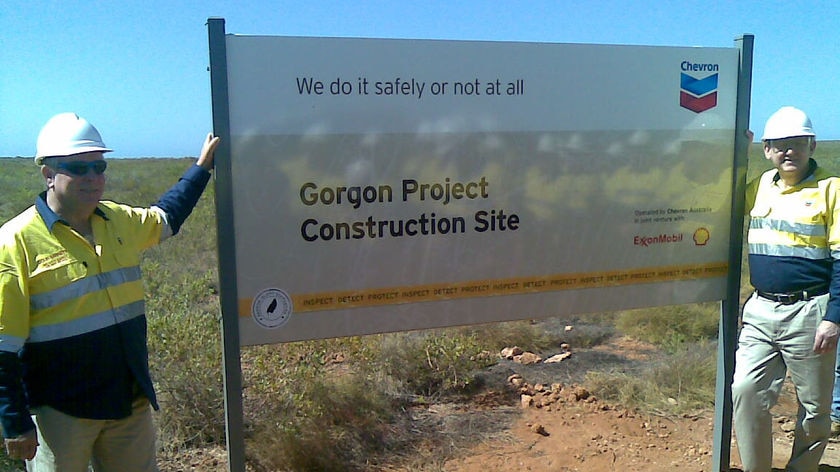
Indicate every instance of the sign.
{"type": "Point", "coordinates": [386, 185]}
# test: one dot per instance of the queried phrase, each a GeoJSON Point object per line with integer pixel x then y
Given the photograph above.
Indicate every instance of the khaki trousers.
{"type": "Point", "coordinates": [776, 340]}
{"type": "Point", "coordinates": [70, 444]}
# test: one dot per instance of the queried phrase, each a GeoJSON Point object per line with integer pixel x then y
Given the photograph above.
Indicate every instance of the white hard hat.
{"type": "Point", "coordinates": [67, 134]}
{"type": "Point", "coordinates": [787, 122]}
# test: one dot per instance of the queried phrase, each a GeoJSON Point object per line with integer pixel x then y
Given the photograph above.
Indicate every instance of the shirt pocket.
{"type": "Point", "coordinates": [812, 214]}
{"type": "Point", "coordinates": [47, 276]}
{"type": "Point", "coordinates": [760, 210]}
{"type": "Point", "coordinates": [117, 251]}
{"type": "Point", "coordinates": [125, 257]}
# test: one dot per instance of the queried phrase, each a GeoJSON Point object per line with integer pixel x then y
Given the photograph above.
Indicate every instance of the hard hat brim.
{"type": "Point", "coordinates": [39, 160]}
{"type": "Point", "coordinates": [769, 137]}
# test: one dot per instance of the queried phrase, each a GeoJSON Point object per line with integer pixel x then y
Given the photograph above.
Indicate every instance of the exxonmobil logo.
{"type": "Point", "coordinates": [698, 86]}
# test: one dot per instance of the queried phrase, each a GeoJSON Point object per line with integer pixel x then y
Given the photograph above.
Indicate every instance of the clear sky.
{"type": "Point", "coordinates": [138, 69]}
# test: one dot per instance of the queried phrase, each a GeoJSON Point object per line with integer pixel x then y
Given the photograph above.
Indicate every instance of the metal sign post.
{"type": "Point", "coordinates": [234, 415]}
{"type": "Point", "coordinates": [728, 330]}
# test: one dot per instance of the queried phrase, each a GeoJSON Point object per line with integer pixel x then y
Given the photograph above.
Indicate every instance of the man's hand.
{"type": "Point", "coordinates": [205, 159]}
{"type": "Point", "coordinates": [23, 446]}
{"type": "Point", "coordinates": [826, 338]}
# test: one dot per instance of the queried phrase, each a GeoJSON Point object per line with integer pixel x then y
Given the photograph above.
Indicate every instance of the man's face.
{"type": "Point", "coordinates": [76, 181]}
{"type": "Point", "coordinates": [790, 155]}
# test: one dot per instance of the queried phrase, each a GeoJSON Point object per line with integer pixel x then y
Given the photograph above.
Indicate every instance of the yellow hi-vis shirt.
{"type": "Point", "coordinates": [794, 234]}
{"type": "Point", "coordinates": [66, 286]}
{"type": "Point", "coordinates": [75, 310]}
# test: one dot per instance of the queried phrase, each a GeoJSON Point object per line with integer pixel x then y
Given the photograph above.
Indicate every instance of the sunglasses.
{"type": "Point", "coordinates": [80, 168]}
{"type": "Point", "coordinates": [786, 144]}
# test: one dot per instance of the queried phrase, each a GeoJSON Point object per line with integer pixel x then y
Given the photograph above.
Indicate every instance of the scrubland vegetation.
{"type": "Point", "coordinates": [344, 404]}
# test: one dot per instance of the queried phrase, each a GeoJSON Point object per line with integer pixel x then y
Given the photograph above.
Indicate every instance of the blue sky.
{"type": "Point", "coordinates": [138, 70]}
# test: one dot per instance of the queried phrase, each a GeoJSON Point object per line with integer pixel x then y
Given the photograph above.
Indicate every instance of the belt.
{"type": "Point", "coordinates": [789, 298]}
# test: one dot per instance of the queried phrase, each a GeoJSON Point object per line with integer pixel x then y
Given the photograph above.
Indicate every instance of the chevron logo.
{"type": "Point", "coordinates": [698, 95]}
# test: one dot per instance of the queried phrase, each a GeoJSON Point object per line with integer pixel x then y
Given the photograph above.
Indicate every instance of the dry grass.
{"type": "Point", "coordinates": [681, 383]}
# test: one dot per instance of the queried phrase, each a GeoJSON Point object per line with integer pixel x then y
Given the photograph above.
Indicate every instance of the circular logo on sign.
{"type": "Point", "coordinates": [701, 236]}
{"type": "Point", "coordinates": [271, 308]}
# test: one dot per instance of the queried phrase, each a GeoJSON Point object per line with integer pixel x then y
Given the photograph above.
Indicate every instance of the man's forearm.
{"type": "Point", "coordinates": [179, 201]}
{"type": "Point", "coordinates": [14, 411]}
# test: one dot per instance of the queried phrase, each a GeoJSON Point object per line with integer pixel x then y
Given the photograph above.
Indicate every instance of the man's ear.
{"type": "Point", "coordinates": [49, 175]}
{"type": "Point", "coordinates": [767, 153]}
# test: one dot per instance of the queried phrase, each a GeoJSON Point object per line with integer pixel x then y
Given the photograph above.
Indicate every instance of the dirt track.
{"type": "Point", "coordinates": [589, 437]}
{"type": "Point", "coordinates": [592, 437]}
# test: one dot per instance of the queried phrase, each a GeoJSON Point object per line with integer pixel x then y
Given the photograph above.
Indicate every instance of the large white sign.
{"type": "Point", "coordinates": [386, 185]}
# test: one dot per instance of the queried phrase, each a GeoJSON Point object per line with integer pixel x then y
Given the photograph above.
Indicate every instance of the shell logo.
{"type": "Point", "coordinates": [701, 236]}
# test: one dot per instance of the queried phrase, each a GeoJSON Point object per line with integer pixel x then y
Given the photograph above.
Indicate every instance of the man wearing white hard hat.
{"type": "Point", "coordinates": [790, 323]}
{"type": "Point", "coordinates": [75, 387]}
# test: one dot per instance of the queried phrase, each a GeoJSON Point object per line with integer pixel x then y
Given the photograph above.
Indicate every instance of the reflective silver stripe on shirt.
{"type": "Point", "coordinates": [10, 343]}
{"type": "Point", "coordinates": [83, 287]}
{"type": "Point", "coordinates": [815, 253]}
{"type": "Point", "coordinates": [166, 232]}
{"type": "Point", "coordinates": [87, 324]}
{"type": "Point", "coordinates": [788, 227]}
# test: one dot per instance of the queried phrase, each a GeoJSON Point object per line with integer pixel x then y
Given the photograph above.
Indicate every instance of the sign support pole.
{"type": "Point", "coordinates": [234, 411]}
{"type": "Point", "coordinates": [728, 328]}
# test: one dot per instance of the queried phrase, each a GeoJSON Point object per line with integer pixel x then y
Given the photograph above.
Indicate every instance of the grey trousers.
{"type": "Point", "coordinates": [776, 340]}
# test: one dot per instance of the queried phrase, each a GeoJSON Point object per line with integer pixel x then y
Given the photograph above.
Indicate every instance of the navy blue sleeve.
{"type": "Point", "coordinates": [14, 412]}
{"type": "Point", "coordinates": [832, 313]}
{"type": "Point", "coordinates": [178, 202]}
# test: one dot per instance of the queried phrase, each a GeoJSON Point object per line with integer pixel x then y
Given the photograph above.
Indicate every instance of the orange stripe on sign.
{"type": "Point", "coordinates": [322, 301]}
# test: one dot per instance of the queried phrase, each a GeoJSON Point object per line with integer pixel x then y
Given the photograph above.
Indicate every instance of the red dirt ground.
{"type": "Point", "coordinates": [579, 435]}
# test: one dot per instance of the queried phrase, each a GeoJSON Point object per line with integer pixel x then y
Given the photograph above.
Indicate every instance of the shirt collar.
{"type": "Point", "coordinates": [812, 167]}
{"type": "Point", "coordinates": [50, 217]}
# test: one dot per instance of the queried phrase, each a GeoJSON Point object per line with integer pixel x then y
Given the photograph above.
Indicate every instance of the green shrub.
{"type": "Point", "coordinates": [671, 327]}
{"type": "Point", "coordinates": [9, 465]}
{"type": "Point", "coordinates": [338, 426]}
{"type": "Point", "coordinates": [185, 359]}
{"type": "Point", "coordinates": [433, 363]}
{"type": "Point", "coordinates": [314, 405]}
{"type": "Point", "coordinates": [20, 182]}
{"type": "Point", "coordinates": [683, 382]}
{"type": "Point", "coordinates": [528, 335]}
